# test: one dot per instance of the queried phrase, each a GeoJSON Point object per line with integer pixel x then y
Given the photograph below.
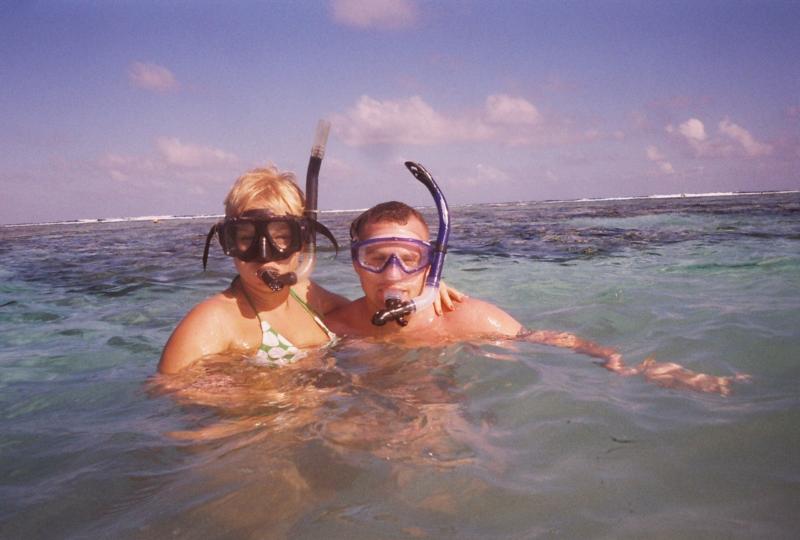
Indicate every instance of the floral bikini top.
{"type": "Point", "coordinates": [275, 350]}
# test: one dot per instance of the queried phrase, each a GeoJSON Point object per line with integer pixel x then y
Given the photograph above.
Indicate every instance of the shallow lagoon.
{"type": "Point", "coordinates": [492, 440]}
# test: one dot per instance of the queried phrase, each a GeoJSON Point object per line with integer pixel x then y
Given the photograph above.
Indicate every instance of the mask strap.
{"type": "Point", "coordinates": [208, 244]}
{"type": "Point", "coordinates": [322, 229]}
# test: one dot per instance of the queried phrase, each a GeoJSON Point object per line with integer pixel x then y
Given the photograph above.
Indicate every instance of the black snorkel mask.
{"type": "Point", "coordinates": [258, 235]}
{"type": "Point", "coordinates": [396, 308]}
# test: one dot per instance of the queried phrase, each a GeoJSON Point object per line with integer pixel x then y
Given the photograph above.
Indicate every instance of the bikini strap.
{"type": "Point", "coordinates": [305, 306]}
{"type": "Point", "coordinates": [313, 314]}
{"type": "Point", "coordinates": [294, 295]}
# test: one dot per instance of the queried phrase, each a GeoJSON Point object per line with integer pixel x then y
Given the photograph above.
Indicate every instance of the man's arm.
{"type": "Point", "coordinates": [319, 298]}
{"type": "Point", "coordinates": [666, 374]}
{"type": "Point", "coordinates": [613, 359]}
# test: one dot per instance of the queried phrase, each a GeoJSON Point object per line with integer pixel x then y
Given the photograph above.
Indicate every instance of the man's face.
{"type": "Point", "coordinates": [392, 277]}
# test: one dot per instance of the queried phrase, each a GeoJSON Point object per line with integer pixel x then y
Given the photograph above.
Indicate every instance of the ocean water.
{"type": "Point", "coordinates": [473, 440]}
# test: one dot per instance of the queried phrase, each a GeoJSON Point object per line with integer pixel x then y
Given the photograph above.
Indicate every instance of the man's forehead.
{"type": "Point", "coordinates": [413, 228]}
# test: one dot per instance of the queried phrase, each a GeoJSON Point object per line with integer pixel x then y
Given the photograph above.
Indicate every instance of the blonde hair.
{"type": "Point", "coordinates": [266, 187]}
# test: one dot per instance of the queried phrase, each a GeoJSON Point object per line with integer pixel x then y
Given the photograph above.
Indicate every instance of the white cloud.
{"type": "Point", "coordinates": [404, 121]}
{"type": "Point", "coordinates": [486, 175]}
{"type": "Point", "coordinates": [173, 158]}
{"type": "Point", "coordinates": [152, 77]}
{"type": "Point", "coordinates": [503, 119]}
{"type": "Point", "coordinates": [732, 140]}
{"type": "Point", "coordinates": [384, 14]}
{"type": "Point", "coordinates": [480, 174]}
{"type": "Point", "coordinates": [693, 129]}
{"type": "Point", "coordinates": [655, 155]}
{"type": "Point", "coordinates": [666, 167]}
{"type": "Point", "coordinates": [504, 109]}
{"type": "Point", "coordinates": [122, 168]}
{"type": "Point", "coordinates": [175, 152]}
{"type": "Point", "coordinates": [751, 147]}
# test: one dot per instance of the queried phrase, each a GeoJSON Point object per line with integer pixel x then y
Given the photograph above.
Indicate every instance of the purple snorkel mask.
{"type": "Point", "coordinates": [377, 254]}
{"type": "Point", "coordinates": [411, 255]}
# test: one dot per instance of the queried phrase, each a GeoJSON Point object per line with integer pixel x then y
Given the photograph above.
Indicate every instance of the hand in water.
{"type": "Point", "coordinates": [666, 374]}
{"type": "Point", "coordinates": [672, 375]}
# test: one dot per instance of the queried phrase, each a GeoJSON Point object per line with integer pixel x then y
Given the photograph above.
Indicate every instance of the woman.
{"type": "Point", "coordinates": [260, 315]}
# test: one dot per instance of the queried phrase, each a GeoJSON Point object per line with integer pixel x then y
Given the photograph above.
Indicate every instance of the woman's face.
{"type": "Point", "coordinates": [250, 271]}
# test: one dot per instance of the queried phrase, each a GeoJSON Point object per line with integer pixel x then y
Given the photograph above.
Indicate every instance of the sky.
{"type": "Point", "coordinates": [139, 108]}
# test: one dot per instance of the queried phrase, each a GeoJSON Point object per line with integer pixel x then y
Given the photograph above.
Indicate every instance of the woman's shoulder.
{"type": "Point", "coordinates": [211, 327]}
{"type": "Point", "coordinates": [221, 305]}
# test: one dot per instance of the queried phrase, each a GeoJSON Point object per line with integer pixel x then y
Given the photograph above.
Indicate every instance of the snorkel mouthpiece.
{"type": "Point", "coordinates": [276, 281]}
{"type": "Point", "coordinates": [396, 308]}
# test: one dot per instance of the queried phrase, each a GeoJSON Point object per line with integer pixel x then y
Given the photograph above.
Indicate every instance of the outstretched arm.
{"type": "Point", "coordinates": [666, 374]}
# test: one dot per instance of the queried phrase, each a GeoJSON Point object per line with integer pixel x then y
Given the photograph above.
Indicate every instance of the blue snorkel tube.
{"type": "Point", "coordinates": [277, 282]}
{"type": "Point", "coordinates": [396, 308]}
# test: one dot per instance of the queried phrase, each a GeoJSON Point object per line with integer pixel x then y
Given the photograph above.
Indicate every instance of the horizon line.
{"type": "Point", "coordinates": [169, 217]}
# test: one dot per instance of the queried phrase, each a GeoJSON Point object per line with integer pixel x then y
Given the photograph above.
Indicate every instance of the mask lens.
{"type": "Point", "coordinates": [412, 255]}
{"type": "Point", "coordinates": [281, 234]}
{"type": "Point", "coordinates": [264, 238]}
{"type": "Point", "coordinates": [244, 234]}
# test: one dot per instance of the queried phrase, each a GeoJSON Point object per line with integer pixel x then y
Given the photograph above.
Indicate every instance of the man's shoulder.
{"type": "Point", "coordinates": [345, 319]}
{"type": "Point", "coordinates": [473, 317]}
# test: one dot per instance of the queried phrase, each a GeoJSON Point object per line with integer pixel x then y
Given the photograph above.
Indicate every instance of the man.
{"type": "Point", "coordinates": [391, 256]}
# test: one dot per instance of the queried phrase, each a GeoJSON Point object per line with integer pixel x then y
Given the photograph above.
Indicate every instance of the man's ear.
{"type": "Point", "coordinates": [425, 275]}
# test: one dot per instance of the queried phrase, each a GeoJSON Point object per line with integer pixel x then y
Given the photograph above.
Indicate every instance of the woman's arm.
{"type": "Point", "coordinates": [446, 297]}
{"type": "Point", "coordinates": [666, 374]}
{"type": "Point", "coordinates": [320, 299]}
{"type": "Point", "coordinates": [200, 333]}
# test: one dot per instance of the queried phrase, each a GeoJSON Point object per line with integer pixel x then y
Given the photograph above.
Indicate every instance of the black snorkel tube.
{"type": "Point", "coordinates": [276, 281]}
{"type": "Point", "coordinates": [397, 309]}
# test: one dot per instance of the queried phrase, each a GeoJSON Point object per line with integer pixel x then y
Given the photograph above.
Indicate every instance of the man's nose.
{"type": "Point", "coordinates": [393, 271]}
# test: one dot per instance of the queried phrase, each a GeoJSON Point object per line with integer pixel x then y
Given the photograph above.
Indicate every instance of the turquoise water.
{"type": "Point", "coordinates": [492, 440]}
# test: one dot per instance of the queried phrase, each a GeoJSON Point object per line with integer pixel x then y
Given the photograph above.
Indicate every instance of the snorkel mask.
{"type": "Point", "coordinates": [411, 255]}
{"type": "Point", "coordinates": [377, 254]}
{"type": "Point", "coordinates": [258, 235]}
